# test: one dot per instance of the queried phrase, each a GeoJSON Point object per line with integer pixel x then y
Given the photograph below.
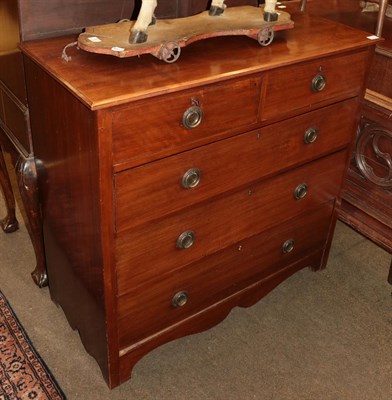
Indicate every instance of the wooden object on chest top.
{"type": "Point", "coordinates": [172, 193]}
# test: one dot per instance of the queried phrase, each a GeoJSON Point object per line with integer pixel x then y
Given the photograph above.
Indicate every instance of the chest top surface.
{"type": "Point", "coordinates": [101, 81]}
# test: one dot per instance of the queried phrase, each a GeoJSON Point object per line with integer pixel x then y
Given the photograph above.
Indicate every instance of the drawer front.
{"type": "Point", "coordinates": [155, 248]}
{"type": "Point", "coordinates": [290, 89]}
{"type": "Point", "coordinates": [157, 305]}
{"type": "Point", "coordinates": [156, 127]}
{"type": "Point", "coordinates": [162, 187]}
{"type": "Point", "coordinates": [14, 116]}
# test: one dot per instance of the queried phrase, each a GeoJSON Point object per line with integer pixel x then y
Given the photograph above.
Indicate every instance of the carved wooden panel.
{"type": "Point", "coordinates": [373, 154]}
{"type": "Point", "coordinates": [367, 192]}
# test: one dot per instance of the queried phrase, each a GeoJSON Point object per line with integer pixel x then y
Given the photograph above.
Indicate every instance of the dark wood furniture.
{"type": "Point", "coordinates": [367, 191]}
{"type": "Point", "coordinates": [15, 137]}
{"type": "Point", "coordinates": [26, 20]}
{"type": "Point", "coordinates": [172, 193]}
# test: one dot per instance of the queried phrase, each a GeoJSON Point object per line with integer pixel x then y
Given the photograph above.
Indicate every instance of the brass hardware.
{"type": "Point", "coordinates": [191, 178]}
{"type": "Point", "coordinates": [185, 240]}
{"type": "Point", "coordinates": [180, 299]}
{"type": "Point", "coordinates": [192, 116]}
{"type": "Point", "coordinates": [311, 135]}
{"type": "Point", "coordinates": [301, 191]}
{"type": "Point", "coordinates": [319, 82]}
{"type": "Point", "coordinates": [288, 246]}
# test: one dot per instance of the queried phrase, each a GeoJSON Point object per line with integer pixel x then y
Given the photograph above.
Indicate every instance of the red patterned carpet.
{"type": "Point", "coordinates": [23, 374]}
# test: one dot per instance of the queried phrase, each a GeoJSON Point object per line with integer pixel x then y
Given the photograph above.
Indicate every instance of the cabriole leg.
{"type": "Point", "coordinates": [27, 181]}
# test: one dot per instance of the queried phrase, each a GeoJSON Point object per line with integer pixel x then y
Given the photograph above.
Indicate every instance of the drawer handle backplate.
{"type": "Point", "coordinates": [288, 246]}
{"type": "Point", "coordinates": [311, 135]}
{"type": "Point", "coordinates": [301, 191]}
{"type": "Point", "coordinates": [192, 117]}
{"type": "Point", "coordinates": [180, 299]}
{"type": "Point", "coordinates": [185, 240]}
{"type": "Point", "coordinates": [191, 178]}
{"type": "Point", "coordinates": [319, 82]}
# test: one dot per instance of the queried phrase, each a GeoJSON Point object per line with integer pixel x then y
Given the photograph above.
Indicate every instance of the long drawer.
{"type": "Point", "coordinates": [166, 244]}
{"type": "Point", "coordinates": [212, 110]}
{"type": "Point", "coordinates": [296, 88]}
{"type": "Point", "coordinates": [165, 186]}
{"type": "Point", "coordinates": [168, 298]}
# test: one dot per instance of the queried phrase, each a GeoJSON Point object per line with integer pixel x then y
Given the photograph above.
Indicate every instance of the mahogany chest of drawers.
{"type": "Point", "coordinates": [173, 193]}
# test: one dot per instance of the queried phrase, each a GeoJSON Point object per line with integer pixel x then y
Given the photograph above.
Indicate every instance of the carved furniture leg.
{"type": "Point", "coordinates": [27, 181]}
{"type": "Point", "coordinates": [390, 274]}
{"type": "Point", "coordinates": [9, 223]}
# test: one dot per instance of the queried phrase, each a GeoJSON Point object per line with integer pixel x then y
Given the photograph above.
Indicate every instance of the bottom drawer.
{"type": "Point", "coordinates": [174, 296]}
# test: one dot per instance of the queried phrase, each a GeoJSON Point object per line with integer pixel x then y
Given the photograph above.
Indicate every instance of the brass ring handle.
{"type": "Point", "coordinates": [288, 246]}
{"type": "Point", "coordinates": [301, 191]}
{"type": "Point", "coordinates": [192, 117]}
{"type": "Point", "coordinates": [311, 135]}
{"type": "Point", "coordinates": [318, 83]}
{"type": "Point", "coordinates": [186, 240]}
{"type": "Point", "coordinates": [191, 178]}
{"type": "Point", "coordinates": [180, 299]}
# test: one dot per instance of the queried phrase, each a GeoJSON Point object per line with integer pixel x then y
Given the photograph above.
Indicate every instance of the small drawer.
{"type": "Point", "coordinates": [163, 187]}
{"type": "Point", "coordinates": [155, 128]}
{"type": "Point", "coordinates": [290, 89]}
{"type": "Point", "coordinates": [169, 298]}
{"type": "Point", "coordinates": [15, 117]}
{"type": "Point", "coordinates": [155, 248]}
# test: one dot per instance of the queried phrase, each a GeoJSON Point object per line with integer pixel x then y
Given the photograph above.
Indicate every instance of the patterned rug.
{"type": "Point", "coordinates": [23, 374]}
